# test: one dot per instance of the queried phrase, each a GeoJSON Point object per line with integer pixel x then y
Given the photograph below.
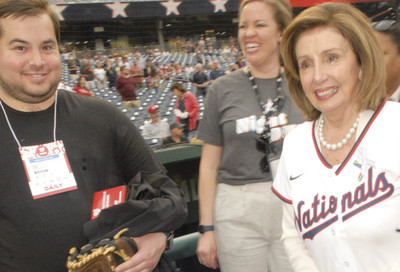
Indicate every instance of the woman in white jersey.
{"type": "Point", "coordinates": [339, 173]}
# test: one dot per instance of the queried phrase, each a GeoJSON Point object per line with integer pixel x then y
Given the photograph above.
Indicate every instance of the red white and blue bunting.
{"type": "Point", "coordinates": [141, 9]}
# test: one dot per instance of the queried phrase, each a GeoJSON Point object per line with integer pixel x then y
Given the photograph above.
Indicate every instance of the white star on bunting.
{"type": "Point", "coordinates": [172, 6]}
{"type": "Point", "coordinates": [58, 9]}
{"type": "Point", "coordinates": [118, 9]}
{"type": "Point", "coordinates": [219, 5]}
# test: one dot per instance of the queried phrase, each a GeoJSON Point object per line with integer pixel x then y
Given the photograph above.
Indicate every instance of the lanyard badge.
{"type": "Point", "coordinates": [47, 169]}
{"type": "Point", "coordinates": [46, 165]}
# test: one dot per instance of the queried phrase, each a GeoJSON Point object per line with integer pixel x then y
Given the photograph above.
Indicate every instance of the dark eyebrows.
{"type": "Point", "coordinates": [49, 41]}
{"type": "Point", "coordinates": [18, 40]}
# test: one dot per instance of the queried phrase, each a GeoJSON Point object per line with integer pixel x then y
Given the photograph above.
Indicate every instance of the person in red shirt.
{"type": "Point", "coordinates": [137, 73]}
{"type": "Point", "coordinates": [80, 88]}
{"type": "Point", "coordinates": [186, 109]}
{"type": "Point", "coordinates": [126, 87]}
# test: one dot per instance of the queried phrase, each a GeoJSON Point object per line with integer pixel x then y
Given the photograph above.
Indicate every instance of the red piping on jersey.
{"type": "Point", "coordinates": [281, 196]}
{"type": "Point", "coordinates": [317, 149]}
{"type": "Point", "coordinates": [355, 146]}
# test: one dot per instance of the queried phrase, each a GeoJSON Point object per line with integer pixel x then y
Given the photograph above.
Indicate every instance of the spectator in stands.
{"type": "Point", "coordinates": [140, 59]}
{"type": "Point", "coordinates": [63, 86]}
{"type": "Point", "coordinates": [89, 59]}
{"type": "Point", "coordinates": [112, 54]}
{"type": "Point", "coordinates": [226, 53]}
{"type": "Point", "coordinates": [125, 62]}
{"type": "Point", "coordinates": [188, 70]}
{"type": "Point", "coordinates": [151, 74]}
{"type": "Point", "coordinates": [81, 87]}
{"type": "Point", "coordinates": [111, 73]}
{"type": "Point", "coordinates": [96, 57]}
{"type": "Point", "coordinates": [156, 127]}
{"type": "Point", "coordinates": [179, 44]}
{"type": "Point", "coordinates": [240, 60]}
{"type": "Point", "coordinates": [169, 73]}
{"type": "Point", "coordinates": [87, 71]}
{"type": "Point", "coordinates": [189, 47]}
{"type": "Point", "coordinates": [235, 196]}
{"type": "Point", "coordinates": [388, 35]}
{"type": "Point", "coordinates": [209, 67]}
{"type": "Point", "coordinates": [179, 70]}
{"type": "Point", "coordinates": [217, 71]}
{"type": "Point", "coordinates": [126, 87]}
{"type": "Point", "coordinates": [117, 65]}
{"type": "Point", "coordinates": [137, 73]}
{"type": "Point", "coordinates": [210, 50]}
{"type": "Point", "coordinates": [73, 69]}
{"type": "Point", "coordinates": [186, 109]}
{"type": "Point", "coordinates": [177, 135]}
{"type": "Point", "coordinates": [100, 76]}
{"type": "Point", "coordinates": [200, 80]}
{"type": "Point", "coordinates": [201, 44]}
{"type": "Point", "coordinates": [41, 219]}
{"type": "Point", "coordinates": [232, 67]}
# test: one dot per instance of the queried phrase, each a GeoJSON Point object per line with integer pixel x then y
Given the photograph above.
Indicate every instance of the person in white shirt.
{"type": "Point", "coordinates": [156, 127]}
{"type": "Point", "coordinates": [100, 76]}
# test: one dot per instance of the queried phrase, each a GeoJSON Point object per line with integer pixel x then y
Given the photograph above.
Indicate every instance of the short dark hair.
{"type": "Point", "coordinates": [21, 8]}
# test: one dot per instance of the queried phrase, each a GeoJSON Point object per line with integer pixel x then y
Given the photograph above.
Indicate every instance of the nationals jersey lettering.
{"type": "Point", "coordinates": [346, 214]}
{"type": "Point", "coordinates": [363, 197]}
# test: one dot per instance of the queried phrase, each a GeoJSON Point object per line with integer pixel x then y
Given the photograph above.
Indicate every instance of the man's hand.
{"type": "Point", "coordinates": [207, 250]}
{"type": "Point", "coordinates": [150, 248]}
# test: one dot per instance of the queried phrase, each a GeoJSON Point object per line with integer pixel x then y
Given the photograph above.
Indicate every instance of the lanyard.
{"type": "Point", "coordinates": [12, 130]}
{"type": "Point", "coordinates": [278, 102]}
{"type": "Point", "coordinates": [268, 110]}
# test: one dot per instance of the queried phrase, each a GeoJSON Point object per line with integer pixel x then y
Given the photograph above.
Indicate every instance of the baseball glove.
{"type": "Point", "coordinates": [104, 256]}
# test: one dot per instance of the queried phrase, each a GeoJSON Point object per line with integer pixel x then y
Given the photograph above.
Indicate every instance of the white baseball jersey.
{"type": "Point", "coordinates": [348, 215]}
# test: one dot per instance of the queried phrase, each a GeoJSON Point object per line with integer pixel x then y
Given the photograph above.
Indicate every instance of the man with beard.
{"type": "Point", "coordinates": [59, 148]}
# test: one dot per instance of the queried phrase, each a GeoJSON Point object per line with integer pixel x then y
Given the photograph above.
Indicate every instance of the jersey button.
{"type": "Point", "coordinates": [346, 264]}
{"type": "Point", "coordinates": [333, 232]}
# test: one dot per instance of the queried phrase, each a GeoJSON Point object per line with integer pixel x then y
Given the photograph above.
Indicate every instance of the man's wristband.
{"type": "Point", "coordinates": [203, 228]}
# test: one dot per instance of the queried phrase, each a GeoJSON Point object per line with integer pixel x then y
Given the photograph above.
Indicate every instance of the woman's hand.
{"type": "Point", "coordinates": [207, 250]}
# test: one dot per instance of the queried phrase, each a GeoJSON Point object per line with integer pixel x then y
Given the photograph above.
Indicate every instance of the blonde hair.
{"type": "Point", "coordinates": [283, 11]}
{"type": "Point", "coordinates": [355, 28]}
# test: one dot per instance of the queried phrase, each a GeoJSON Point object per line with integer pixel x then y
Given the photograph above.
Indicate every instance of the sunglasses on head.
{"type": "Point", "coordinates": [383, 25]}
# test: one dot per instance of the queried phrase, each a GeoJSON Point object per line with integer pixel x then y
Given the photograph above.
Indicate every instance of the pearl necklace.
{"type": "Point", "coordinates": [343, 142]}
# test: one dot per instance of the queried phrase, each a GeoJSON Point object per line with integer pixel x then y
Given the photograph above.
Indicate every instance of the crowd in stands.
{"type": "Point", "coordinates": [150, 75]}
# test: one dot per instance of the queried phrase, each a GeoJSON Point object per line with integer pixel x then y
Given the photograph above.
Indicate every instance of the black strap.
{"type": "Point", "coordinates": [277, 103]}
{"type": "Point", "coordinates": [268, 109]}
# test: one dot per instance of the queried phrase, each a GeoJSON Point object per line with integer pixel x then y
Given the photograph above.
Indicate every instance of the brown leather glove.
{"type": "Point", "coordinates": [104, 256]}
